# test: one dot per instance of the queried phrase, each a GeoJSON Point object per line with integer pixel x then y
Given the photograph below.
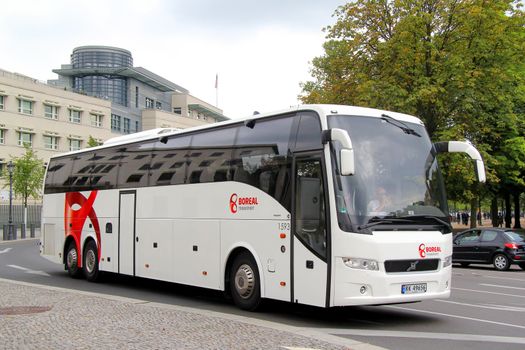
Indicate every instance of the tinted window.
{"type": "Point", "coordinates": [514, 236]}
{"type": "Point", "coordinates": [489, 236]}
{"type": "Point", "coordinates": [134, 164]}
{"type": "Point", "coordinates": [58, 172]}
{"type": "Point", "coordinates": [309, 132]}
{"type": "Point", "coordinates": [210, 154]}
{"type": "Point", "coordinates": [170, 161]}
{"type": "Point", "coordinates": [261, 157]}
{"type": "Point", "coordinates": [469, 237]}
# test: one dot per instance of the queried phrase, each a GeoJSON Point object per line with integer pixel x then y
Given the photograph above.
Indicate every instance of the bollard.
{"type": "Point", "coordinates": [32, 230]}
{"type": "Point", "coordinates": [6, 232]}
{"type": "Point", "coordinates": [22, 231]}
{"type": "Point", "coordinates": [14, 232]}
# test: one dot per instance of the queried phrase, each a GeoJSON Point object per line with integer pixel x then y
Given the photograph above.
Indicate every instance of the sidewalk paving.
{"type": "Point", "coordinates": [42, 317]}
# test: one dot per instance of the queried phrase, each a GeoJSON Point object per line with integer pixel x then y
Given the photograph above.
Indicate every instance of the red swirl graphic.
{"type": "Point", "coordinates": [74, 219]}
{"type": "Point", "coordinates": [233, 203]}
{"type": "Point", "coordinates": [422, 252]}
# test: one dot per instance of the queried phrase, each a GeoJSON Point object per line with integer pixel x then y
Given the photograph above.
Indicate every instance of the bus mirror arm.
{"type": "Point", "coordinates": [464, 147]}
{"type": "Point", "coordinates": [346, 155]}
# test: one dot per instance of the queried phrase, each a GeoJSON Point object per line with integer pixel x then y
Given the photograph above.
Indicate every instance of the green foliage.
{"type": "Point", "coordinates": [457, 64]}
{"type": "Point", "coordinates": [28, 174]}
{"type": "Point", "coordinates": [92, 142]}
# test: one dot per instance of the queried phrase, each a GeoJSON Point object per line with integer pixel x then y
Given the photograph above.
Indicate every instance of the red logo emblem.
{"type": "Point", "coordinates": [233, 203]}
{"type": "Point", "coordinates": [422, 252]}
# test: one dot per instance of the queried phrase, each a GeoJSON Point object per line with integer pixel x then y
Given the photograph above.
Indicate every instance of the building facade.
{"type": "Point", "coordinates": [48, 119]}
{"type": "Point", "coordinates": [136, 94]}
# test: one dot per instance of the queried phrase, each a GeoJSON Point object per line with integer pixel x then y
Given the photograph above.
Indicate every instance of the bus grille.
{"type": "Point", "coordinates": [414, 265]}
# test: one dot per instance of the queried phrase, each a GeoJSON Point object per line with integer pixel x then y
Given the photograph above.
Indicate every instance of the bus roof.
{"type": "Point", "coordinates": [321, 109]}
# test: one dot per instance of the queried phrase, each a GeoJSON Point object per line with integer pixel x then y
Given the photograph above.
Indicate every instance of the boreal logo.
{"type": "Point", "coordinates": [431, 250]}
{"type": "Point", "coordinates": [242, 203]}
{"type": "Point", "coordinates": [233, 203]}
{"type": "Point", "coordinates": [422, 252]}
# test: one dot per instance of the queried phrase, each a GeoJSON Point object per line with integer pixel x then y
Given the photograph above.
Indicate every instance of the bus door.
{"type": "Point", "coordinates": [309, 224]}
{"type": "Point", "coordinates": [126, 242]}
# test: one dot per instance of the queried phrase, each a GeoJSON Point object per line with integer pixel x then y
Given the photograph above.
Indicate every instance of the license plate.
{"type": "Point", "coordinates": [414, 288]}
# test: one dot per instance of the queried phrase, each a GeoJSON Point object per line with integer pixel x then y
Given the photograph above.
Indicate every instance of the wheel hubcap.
{"type": "Point", "coordinates": [72, 258]}
{"type": "Point", "coordinates": [500, 262]}
{"type": "Point", "coordinates": [244, 281]}
{"type": "Point", "coordinates": [90, 260]}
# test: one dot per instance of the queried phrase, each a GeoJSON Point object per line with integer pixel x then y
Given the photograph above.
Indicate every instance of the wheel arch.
{"type": "Point", "coordinates": [233, 252]}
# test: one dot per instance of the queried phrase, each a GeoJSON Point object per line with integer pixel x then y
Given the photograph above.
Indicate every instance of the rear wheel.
{"type": "Point", "coordinates": [501, 262]}
{"type": "Point", "coordinates": [244, 282]}
{"type": "Point", "coordinates": [90, 265]}
{"type": "Point", "coordinates": [72, 260]}
{"type": "Point", "coordinates": [465, 264]}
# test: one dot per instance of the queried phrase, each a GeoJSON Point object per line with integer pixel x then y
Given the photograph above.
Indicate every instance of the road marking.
{"type": "Point", "coordinates": [424, 335]}
{"type": "Point", "coordinates": [26, 270]}
{"type": "Point", "coordinates": [6, 250]}
{"type": "Point", "coordinates": [506, 278]}
{"type": "Point", "coordinates": [498, 286]}
{"type": "Point", "coordinates": [487, 306]}
{"type": "Point", "coordinates": [487, 292]}
{"type": "Point", "coordinates": [455, 316]}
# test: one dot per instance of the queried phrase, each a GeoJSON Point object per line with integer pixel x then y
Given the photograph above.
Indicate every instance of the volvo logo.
{"type": "Point", "coordinates": [413, 265]}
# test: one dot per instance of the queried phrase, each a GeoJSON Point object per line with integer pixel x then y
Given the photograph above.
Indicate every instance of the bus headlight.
{"type": "Point", "coordinates": [363, 264]}
{"type": "Point", "coordinates": [447, 261]}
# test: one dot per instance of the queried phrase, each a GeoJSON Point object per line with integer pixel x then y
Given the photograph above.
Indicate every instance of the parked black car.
{"type": "Point", "coordinates": [500, 247]}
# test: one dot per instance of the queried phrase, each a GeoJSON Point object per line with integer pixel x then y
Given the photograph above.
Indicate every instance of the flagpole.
{"type": "Point", "coordinates": [217, 90]}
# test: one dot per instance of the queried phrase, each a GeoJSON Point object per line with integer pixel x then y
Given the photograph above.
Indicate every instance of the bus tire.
{"type": "Point", "coordinates": [72, 260]}
{"type": "Point", "coordinates": [90, 265]}
{"type": "Point", "coordinates": [244, 282]}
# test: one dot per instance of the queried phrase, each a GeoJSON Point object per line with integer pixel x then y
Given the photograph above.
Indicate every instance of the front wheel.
{"type": "Point", "coordinates": [244, 282]}
{"type": "Point", "coordinates": [90, 265]}
{"type": "Point", "coordinates": [501, 262]}
{"type": "Point", "coordinates": [522, 265]}
{"type": "Point", "coordinates": [72, 260]}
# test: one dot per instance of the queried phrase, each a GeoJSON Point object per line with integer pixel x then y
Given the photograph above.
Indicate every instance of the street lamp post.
{"type": "Point", "coordinates": [10, 167]}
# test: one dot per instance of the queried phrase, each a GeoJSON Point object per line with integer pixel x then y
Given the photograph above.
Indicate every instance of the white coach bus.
{"type": "Point", "coordinates": [322, 205]}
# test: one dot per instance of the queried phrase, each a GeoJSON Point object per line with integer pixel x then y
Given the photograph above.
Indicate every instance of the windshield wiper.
{"type": "Point", "coordinates": [398, 123]}
{"type": "Point", "coordinates": [381, 221]}
{"type": "Point", "coordinates": [438, 220]}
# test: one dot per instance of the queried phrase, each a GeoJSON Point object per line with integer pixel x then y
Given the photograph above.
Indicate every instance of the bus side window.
{"type": "Point", "coordinates": [261, 157]}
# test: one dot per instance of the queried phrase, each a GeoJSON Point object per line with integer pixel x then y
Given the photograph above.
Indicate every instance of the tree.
{"type": "Point", "coordinates": [457, 64]}
{"type": "Point", "coordinates": [92, 142]}
{"type": "Point", "coordinates": [28, 174]}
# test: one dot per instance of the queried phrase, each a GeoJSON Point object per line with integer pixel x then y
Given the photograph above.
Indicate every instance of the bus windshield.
{"type": "Point", "coordinates": [397, 179]}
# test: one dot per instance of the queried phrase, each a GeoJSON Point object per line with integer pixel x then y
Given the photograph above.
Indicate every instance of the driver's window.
{"type": "Point", "coordinates": [310, 224]}
{"type": "Point", "coordinates": [469, 237]}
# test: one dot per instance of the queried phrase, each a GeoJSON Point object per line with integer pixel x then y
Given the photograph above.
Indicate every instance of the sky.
{"type": "Point", "coordinates": [260, 50]}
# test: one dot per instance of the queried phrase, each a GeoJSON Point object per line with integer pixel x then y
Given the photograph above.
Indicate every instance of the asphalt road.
{"type": "Point", "coordinates": [486, 310]}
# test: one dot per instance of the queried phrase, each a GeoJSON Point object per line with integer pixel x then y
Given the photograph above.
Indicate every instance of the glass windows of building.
{"type": "Point", "coordinates": [149, 102]}
{"type": "Point", "coordinates": [126, 126]}
{"type": "Point", "coordinates": [115, 122]}
{"type": "Point", "coordinates": [177, 110]}
{"type": "Point", "coordinates": [2, 101]}
{"type": "Point", "coordinates": [74, 144]}
{"type": "Point", "coordinates": [158, 105]}
{"type": "Point", "coordinates": [51, 111]}
{"type": "Point", "coordinates": [84, 57]}
{"type": "Point", "coordinates": [74, 116]}
{"type": "Point", "coordinates": [96, 120]}
{"type": "Point", "coordinates": [50, 142]}
{"type": "Point", "coordinates": [25, 106]}
{"type": "Point", "coordinates": [136, 97]}
{"type": "Point", "coordinates": [2, 136]}
{"type": "Point", "coordinates": [25, 138]}
{"type": "Point", "coordinates": [112, 88]}
{"type": "Point", "coordinates": [137, 126]}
